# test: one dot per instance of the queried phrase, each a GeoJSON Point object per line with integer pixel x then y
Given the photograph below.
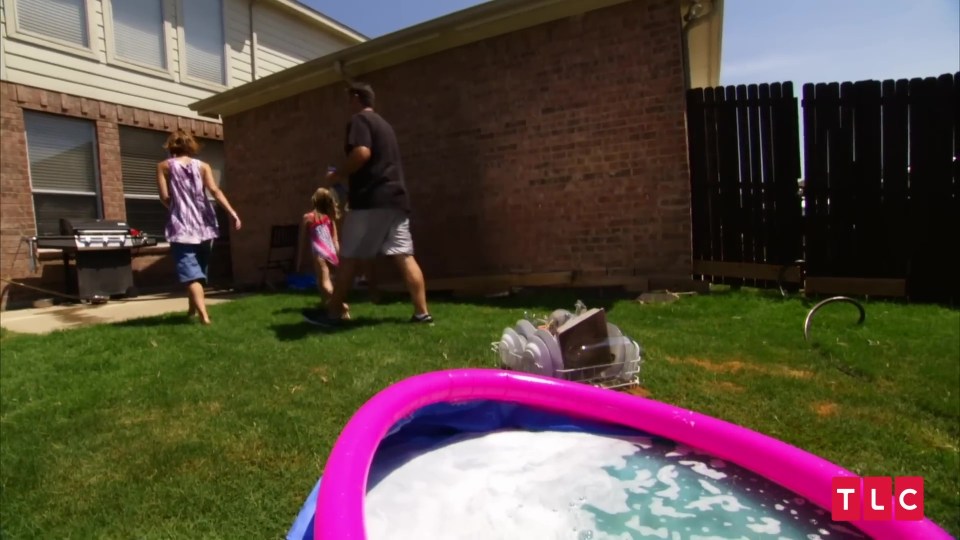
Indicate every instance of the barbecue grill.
{"type": "Point", "coordinates": [102, 254]}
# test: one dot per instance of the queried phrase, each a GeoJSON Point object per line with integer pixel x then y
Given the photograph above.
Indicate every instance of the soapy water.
{"type": "Point", "coordinates": [573, 485]}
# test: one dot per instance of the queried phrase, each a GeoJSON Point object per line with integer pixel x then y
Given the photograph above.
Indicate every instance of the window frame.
{"type": "Point", "coordinates": [185, 78]}
{"type": "Point", "coordinates": [15, 32]}
{"type": "Point", "coordinates": [97, 194]}
{"type": "Point", "coordinates": [167, 34]}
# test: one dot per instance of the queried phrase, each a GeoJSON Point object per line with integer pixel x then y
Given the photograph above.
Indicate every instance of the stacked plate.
{"type": "Point", "coordinates": [529, 349]}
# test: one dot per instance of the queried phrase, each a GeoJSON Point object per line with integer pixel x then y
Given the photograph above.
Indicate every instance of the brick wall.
{"type": "Point", "coordinates": [152, 267]}
{"type": "Point", "coordinates": [559, 147]}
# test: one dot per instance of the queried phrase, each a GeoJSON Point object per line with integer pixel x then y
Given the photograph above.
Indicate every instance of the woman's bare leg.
{"type": "Point", "coordinates": [196, 297]}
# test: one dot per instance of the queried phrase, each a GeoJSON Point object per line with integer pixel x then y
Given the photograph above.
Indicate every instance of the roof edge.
{"type": "Point", "coordinates": [480, 22]}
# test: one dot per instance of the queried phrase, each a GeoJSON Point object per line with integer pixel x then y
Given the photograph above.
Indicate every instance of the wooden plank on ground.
{"type": "Point", "coordinates": [491, 283]}
{"type": "Point", "coordinates": [767, 272]}
{"type": "Point", "coordinates": [609, 281]}
{"type": "Point", "coordinates": [855, 286]}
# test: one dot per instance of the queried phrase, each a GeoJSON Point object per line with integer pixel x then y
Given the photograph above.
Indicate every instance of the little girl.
{"type": "Point", "coordinates": [320, 226]}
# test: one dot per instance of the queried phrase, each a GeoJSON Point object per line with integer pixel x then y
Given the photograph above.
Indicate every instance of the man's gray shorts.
{"type": "Point", "coordinates": [378, 231]}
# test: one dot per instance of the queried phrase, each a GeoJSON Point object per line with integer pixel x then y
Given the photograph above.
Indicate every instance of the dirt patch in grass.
{"type": "Point", "coordinates": [638, 391]}
{"type": "Point", "coordinates": [736, 366]}
{"type": "Point", "coordinates": [825, 409]}
{"type": "Point", "coordinates": [729, 387]}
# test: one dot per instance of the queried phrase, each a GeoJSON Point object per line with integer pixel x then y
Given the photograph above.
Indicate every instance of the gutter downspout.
{"type": "Point", "coordinates": [253, 43]}
{"type": "Point", "coordinates": [695, 17]}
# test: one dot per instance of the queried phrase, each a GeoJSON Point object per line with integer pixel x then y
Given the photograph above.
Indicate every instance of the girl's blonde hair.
{"type": "Point", "coordinates": [325, 202]}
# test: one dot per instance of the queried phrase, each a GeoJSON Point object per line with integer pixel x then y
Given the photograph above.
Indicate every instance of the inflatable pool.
{"type": "Point", "coordinates": [497, 454]}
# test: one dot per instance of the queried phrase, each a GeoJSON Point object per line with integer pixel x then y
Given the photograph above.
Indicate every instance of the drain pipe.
{"type": "Point", "coordinates": [696, 15]}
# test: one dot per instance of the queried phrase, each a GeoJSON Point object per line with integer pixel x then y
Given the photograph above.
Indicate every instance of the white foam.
{"type": "Point", "coordinates": [510, 484]}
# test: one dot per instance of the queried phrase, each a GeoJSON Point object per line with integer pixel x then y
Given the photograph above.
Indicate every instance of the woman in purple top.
{"type": "Point", "coordinates": [183, 183]}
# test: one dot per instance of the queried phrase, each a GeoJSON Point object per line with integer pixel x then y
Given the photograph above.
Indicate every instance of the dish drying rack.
{"type": "Point", "coordinates": [613, 375]}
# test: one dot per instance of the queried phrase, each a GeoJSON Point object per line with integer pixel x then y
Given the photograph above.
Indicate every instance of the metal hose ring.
{"type": "Point", "coordinates": [806, 323]}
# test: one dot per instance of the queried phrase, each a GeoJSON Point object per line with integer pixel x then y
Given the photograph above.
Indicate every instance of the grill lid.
{"type": "Point", "coordinates": [98, 226]}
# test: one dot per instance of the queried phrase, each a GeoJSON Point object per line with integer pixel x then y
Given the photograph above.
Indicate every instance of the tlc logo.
{"type": "Point", "coordinates": [872, 498]}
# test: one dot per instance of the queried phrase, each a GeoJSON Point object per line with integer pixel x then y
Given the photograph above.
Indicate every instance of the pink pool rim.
{"type": "Point", "coordinates": [340, 510]}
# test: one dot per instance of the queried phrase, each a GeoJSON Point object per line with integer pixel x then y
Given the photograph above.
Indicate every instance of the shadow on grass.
{"type": "Point", "coordinates": [302, 329]}
{"type": "Point", "coordinates": [162, 320]}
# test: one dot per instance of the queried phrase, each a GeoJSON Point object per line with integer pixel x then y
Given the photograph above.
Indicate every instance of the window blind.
{"type": "Point", "coordinates": [62, 153]}
{"type": "Point", "coordinates": [62, 19]}
{"type": "Point", "coordinates": [138, 31]}
{"type": "Point", "coordinates": [140, 151]}
{"type": "Point", "coordinates": [203, 30]}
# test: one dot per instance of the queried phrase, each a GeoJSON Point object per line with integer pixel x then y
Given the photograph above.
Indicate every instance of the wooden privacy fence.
{"type": "Point", "coordinates": [744, 167]}
{"type": "Point", "coordinates": [881, 194]}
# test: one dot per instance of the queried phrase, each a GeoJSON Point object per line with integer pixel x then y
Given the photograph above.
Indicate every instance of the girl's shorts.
{"type": "Point", "coordinates": [192, 260]}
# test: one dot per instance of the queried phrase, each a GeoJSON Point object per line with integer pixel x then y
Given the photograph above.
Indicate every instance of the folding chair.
{"type": "Point", "coordinates": [282, 254]}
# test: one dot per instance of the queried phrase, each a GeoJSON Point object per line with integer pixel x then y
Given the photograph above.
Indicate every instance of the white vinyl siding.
{"type": "Point", "coordinates": [63, 20]}
{"type": "Point", "coordinates": [284, 41]}
{"type": "Point", "coordinates": [62, 153]}
{"type": "Point", "coordinates": [138, 32]}
{"type": "Point", "coordinates": [203, 33]}
{"type": "Point", "coordinates": [140, 151]}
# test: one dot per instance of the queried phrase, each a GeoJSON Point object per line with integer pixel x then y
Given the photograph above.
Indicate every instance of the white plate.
{"type": "Point", "coordinates": [526, 329]}
{"type": "Point", "coordinates": [543, 364]}
{"type": "Point", "coordinates": [506, 355]}
{"type": "Point", "coordinates": [618, 350]}
{"type": "Point", "coordinates": [508, 352]}
{"type": "Point", "coordinates": [528, 361]}
{"type": "Point", "coordinates": [516, 340]}
{"type": "Point", "coordinates": [556, 356]}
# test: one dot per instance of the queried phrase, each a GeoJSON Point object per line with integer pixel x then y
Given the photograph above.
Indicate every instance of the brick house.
{"type": "Point", "coordinates": [537, 136]}
{"type": "Point", "coordinates": [90, 88]}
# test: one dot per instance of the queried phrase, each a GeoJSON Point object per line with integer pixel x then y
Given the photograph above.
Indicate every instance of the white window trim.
{"type": "Point", "coordinates": [141, 197]}
{"type": "Point", "coordinates": [182, 52]}
{"type": "Point", "coordinates": [62, 192]}
{"type": "Point", "coordinates": [15, 32]}
{"type": "Point", "coordinates": [167, 72]}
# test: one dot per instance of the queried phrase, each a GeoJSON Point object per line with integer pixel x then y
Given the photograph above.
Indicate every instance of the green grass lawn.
{"type": "Point", "coordinates": [161, 428]}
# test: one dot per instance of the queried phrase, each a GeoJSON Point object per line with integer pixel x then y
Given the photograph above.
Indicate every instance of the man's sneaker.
{"type": "Point", "coordinates": [422, 319]}
{"type": "Point", "coordinates": [320, 317]}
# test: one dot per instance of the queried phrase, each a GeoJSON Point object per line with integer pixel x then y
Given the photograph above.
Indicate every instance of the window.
{"type": "Point", "coordinates": [62, 20]}
{"type": "Point", "coordinates": [203, 33]}
{"type": "Point", "coordinates": [140, 151]}
{"type": "Point", "coordinates": [62, 154]}
{"type": "Point", "coordinates": [138, 34]}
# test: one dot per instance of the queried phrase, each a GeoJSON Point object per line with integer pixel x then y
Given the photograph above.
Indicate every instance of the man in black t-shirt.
{"type": "Point", "coordinates": [378, 222]}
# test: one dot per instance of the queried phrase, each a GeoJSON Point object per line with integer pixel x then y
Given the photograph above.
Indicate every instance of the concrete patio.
{"type": "Point", "coordinates": [50, 319]}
